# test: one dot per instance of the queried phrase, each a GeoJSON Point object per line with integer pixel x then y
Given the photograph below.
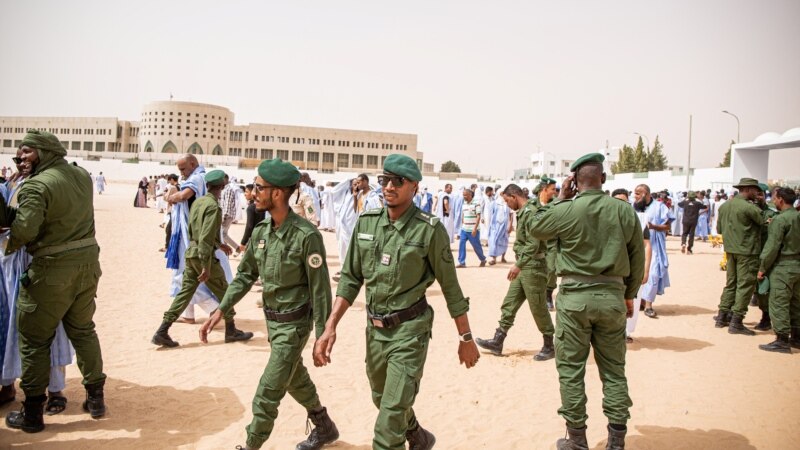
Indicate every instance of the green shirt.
{"type": "Point", "coordinates": [55, 207]}
{"type": "Point", "coordinates": [767, 213]}
{"type": "Point", "coordinates": [784, 238]}
{"type": "Point", "coordinates": [597, 235]}
{"type": "Point", "coordinates": [551, 244]}
{"type": "Point", "coordinates": [739, 223]}
{"type": "Point", "coordinates": [291, 263]}
{"type": "Point", "coordinates": [530, 251]}
{"type": "Point", "coordinates": [205, 221]}
{"type": "Point", "coordinates": [398, 261]}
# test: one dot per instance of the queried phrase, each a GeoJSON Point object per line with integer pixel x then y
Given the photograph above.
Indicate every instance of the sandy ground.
{"type": "Point", "coordinates": [693, 386]}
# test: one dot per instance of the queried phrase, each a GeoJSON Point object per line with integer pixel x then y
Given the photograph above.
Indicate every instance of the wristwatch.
{"type": "Point", "coordinates": [466, 337]}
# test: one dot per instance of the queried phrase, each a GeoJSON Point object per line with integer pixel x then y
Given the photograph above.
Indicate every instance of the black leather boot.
{"type": "Point", "coordinates": [234, 335]}
{"type": "Point", "coordinates": [723, 319]}
{"type": "Point", "coordinates": [95, 403]}
{"type": "Point", "coordinates": [323, 433]}
{"type": "Point", "coordinates": [794, 340]}
{"type": "Point", "coordinates": [30, 418]}
{"type": "Point", "coordinates": [765, 324]}
{"type": "Point", "coordinates": [494, 345]}
{"type": "Point", "coordinates": [779, 345]}
{"type": "Point", "coordinates": [575, 441]}
{"type": "Point", "coordinates": [420, 439]}
{"type": "Point", "coordinates": [549, 300]}
{"type": "Point", "coordinates": [737, 327]}
{"type": "Point", "coordinates": [616, 438]}
{"type": "Point", "coordinates": [548, 351]}
{"type": "Point", "coordinates": [162, 336]}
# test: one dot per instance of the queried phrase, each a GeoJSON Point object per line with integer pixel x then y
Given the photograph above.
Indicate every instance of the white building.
{"type": "Point", "coordinates": [548, 164]}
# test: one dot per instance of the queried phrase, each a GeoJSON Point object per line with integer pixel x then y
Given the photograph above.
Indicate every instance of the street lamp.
{"type": "Point", "coordinates": [738, 125]}
{"type": "Point", "coordinates": [645, 138]}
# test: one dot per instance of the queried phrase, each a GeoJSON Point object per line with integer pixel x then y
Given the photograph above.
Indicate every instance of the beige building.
{"type": "Point", "coordinates": [168, 128]}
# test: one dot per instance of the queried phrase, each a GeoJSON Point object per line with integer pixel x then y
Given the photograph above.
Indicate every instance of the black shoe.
{"type": "Point", "coordinates": [95, 403]}
{"type": "Point", "coordinates": [420, 439]}
{"type": "Point", "coordinates": [765, 324]}
{"type": "Point", "coordinates": [483, 263]}
{"type": "Point", "coordinates": [234, 335]}
{"type": "Point", "coordinates": [162, 336]}
{"type": "Point", "coordinates": [30, 417]}
{"type": "Point", "coordinates": [494, 345]}
{"type": "Point", "coordinates": [575, 441]}
{"type": "Point", "coordinates": [737, 327]}
{"type": "Point", "coordinates": [794, 339]}
{"type": "Point", "coordinates": [548, 351]}
{"type": "Point", "coordinates": [323, 433]}
{"type": "Point", "coordinates": [779, 345]}
{"type": "Point", "coordinates": [723, 319]}
{"type": "Point", "coordinates": [616, 438]}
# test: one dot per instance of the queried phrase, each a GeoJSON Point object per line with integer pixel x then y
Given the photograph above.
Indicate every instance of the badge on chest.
{"type": "Point", "coordinates": [262, 244]}
{"type": "Point", "coordinates": [386, 259]}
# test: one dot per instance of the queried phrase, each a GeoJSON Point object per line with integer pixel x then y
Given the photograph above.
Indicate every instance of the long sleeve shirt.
{"type": "Point", "coordinates": [783, 240]}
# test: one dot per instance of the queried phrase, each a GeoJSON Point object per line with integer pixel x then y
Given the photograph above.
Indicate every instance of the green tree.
{"type": "Point", "coordinates": [656, 160]}
{"type": "Point", "coordinates": [639, 157]}
{"type": "Point", "coordinates": [450, 166]}
{"type": "Point", "coordinates": [625, 163]}
{"type": "Point", "coordinates": [726, 161]}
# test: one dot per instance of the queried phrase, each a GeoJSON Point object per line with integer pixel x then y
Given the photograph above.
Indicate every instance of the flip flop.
{"type": "Point", "coordinates": [491, 263]}
{"type": "Point", "coordinates": [55, 404]}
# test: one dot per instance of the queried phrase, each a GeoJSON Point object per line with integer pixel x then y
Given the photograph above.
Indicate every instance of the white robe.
{"type": "Point", "coordinates": [448, 221]}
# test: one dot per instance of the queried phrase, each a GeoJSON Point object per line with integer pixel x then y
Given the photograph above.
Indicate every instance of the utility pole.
{"type": "Point", "coordinates": [689, 162]}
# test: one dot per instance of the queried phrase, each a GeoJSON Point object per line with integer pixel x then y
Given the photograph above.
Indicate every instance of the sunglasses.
{"type": "Point", "coordinates": [261, 187]}
{"type": "Point", "coordinates": [397, 181]}
{"type": "Point", "coordinates": [16, 160]}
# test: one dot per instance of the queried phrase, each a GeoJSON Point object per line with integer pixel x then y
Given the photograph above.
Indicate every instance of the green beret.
{"type": "Point", "coordinates": [215, 178]}
{"type": "Point", "coordinates": [402, 165]}
{"type": "Point", "coordinates": [585, 159]}
{"type": "Point", "coordinates": [278, 172]}
{"type": "Point", "coordinates": [763, 187]}
{"type": "Point", "coordinates": [44, 141]}
{"type": "Point", "coordinates": [546, 181]}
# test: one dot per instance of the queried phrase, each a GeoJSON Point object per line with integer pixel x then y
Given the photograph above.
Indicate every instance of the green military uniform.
{"type": "Point", "coordinates": [398, 261]}
{"type": "Point", "coordinates": [601, 262]}
{"type": "Point", "coordinates": [781, 259]}
{"type": "Point", "coordinates": [55, 221]}
{"type": "Point", "coordinates": [296, 291]}
{"type": "Point", "coordinates": [531, 283]}
{"type": "Point", "coordinates": [767, 213]}
{"type": "Point", "coordinates": [550, 255]}
{"type": "Point", "coordinates": [740, 223]}
{"type": "Point", "coordinates": [205, 221]}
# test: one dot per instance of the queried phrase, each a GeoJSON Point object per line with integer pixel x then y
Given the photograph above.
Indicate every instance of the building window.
{"type": "Point", "coordinates": [266, 153]}
{"type": "Point", "coordinates": [313, 156]}
{"type": "Point", "coordinates": [327, 158]}
{"type": "Point", "coordinates": [283, 154]}
{"type": "Point", "coordinates": [297, 156]}
{"type": "Point", "coordinates": [372, 161]}
{"type": "Point", "coordinates": [343, 160]}
{"type": "Point", "coordinates": [87, 146]}
{"type": "Point", "coordinates": [358, 161]}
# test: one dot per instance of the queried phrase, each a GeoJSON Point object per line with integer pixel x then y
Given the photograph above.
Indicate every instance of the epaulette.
{"type": "Point", "coordinates": [427, 218]}
{"type": "Point", "coordinates": [372, 212]}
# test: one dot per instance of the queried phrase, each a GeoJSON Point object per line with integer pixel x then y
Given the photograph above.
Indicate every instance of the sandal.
{"type": "Point", "coordinates": [55, 404]}
{"type": "Point", "coordinates": [491, 263]}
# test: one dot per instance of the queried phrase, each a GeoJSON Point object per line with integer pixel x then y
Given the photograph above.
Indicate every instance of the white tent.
{"type": "Point", "coordinates": [751, 159]}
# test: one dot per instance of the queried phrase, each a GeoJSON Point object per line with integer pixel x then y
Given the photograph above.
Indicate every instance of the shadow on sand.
{"type": "Point", "coordinates": [683, 310]}
{"type": "Point", "coordinates": [672, 343]}
{"type": "Point", "coordinates": [148, 416]}
{"type": "Point", "coordinates": [661, 438]}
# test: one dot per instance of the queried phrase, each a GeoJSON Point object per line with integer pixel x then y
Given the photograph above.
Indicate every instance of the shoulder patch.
{"type": "Point", "coordinates": [315, 260]}
{"type": "Point", "coordinates": [427, 218]}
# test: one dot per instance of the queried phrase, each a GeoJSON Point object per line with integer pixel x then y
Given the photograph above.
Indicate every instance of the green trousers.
{"type": "Point", "coordinates": [784, 296]}
{"type": "Point", "coordinates": [395, 362]}
{"type": "Point", "coordinates": [216, 283]}
{"type": "Point", "coordinates": [593, 317]}
{"type": "Point", "coordinates": [740, 283]}
{"type": "Point", "coordinates": [531, 284]}
{"type": "Point", "coordinates": [284, 373]}
{"type": "Point", "coordinates": [551, 268]}
{"type": "Point", "coordinates": [59, 289]}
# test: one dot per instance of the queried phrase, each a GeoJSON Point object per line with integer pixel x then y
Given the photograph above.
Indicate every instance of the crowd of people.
{"type": "Point", "coordinates": [394, 239]}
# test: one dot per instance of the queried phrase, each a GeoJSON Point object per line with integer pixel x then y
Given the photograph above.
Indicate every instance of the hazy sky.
{"type": "Point", "coordinates": [482, 83]}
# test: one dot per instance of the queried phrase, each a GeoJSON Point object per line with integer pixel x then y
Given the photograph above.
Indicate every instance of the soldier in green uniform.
{"type": "Point", "coordinates": [398, 251]}
{"type": "Point", "coordinates": [55, 221]}
{"type": "Point", "coordinates": [287, 253]}
{"type": "Point", "coordinates": [528, 277]}
{"type": "Point", "coordinates": [740, 225]}
{"type": "Point", "coordinates": [768, 211]}
{"type": "Point", "coordinates": [205, 222]}
{"type": "Point", "coordinates": [545, 192]}
{"type": "Point", "coordinates": [781, 260]}
{"type": "Point", "coordinates": [601, 265]}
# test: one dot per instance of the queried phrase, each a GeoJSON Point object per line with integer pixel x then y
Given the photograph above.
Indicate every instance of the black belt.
{"type": "Point", "coordinates": [290, 316]}
{"type": "Point", "coordinates": [394, 319]}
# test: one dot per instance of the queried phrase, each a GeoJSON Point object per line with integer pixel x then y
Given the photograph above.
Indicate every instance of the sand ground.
{"type": "Point", "coordinates": [693, 386]}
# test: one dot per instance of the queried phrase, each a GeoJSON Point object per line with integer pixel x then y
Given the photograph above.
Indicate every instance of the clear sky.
{"type": "Point", "coordinates": [482, 83]}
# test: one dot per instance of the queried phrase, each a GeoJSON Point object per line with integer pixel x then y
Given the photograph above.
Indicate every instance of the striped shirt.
{"type": "Point", "coordinates": [471, 211]}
